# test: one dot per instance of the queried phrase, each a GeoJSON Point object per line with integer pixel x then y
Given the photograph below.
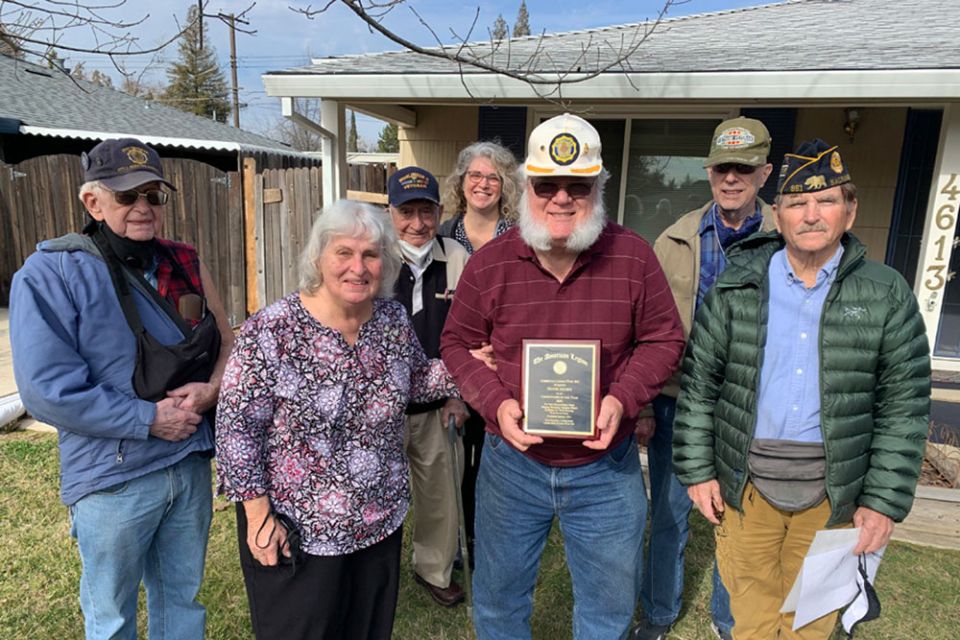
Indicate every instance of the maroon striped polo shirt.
{"type": "Point", "coordinates": [616, 292]}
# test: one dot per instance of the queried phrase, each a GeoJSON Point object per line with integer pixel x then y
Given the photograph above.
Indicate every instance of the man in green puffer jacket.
{"type": "Point", "coordinates": [804, 397]}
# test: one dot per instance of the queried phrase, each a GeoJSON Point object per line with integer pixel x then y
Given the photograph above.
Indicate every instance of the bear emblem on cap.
{"type": "Point", "coordinates": [564, 149]}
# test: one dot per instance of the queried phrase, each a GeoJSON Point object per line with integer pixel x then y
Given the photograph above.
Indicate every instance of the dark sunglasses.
{"type": "Point", "coordinates": [547, 189]}
{"type": "Point", "coordinates": [154, 197]}
{"type": "Point", "coordinates": [727, 167]}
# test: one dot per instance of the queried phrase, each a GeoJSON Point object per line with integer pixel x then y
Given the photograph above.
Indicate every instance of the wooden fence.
{"type": "Point", "coordinates": [248, 227]}
{"type": "Point", "coordinates": [38, 200]}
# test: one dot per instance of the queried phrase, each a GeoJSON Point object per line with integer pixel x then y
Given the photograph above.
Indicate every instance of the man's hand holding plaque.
{"type": "Point", "coordinates": [561, 391]}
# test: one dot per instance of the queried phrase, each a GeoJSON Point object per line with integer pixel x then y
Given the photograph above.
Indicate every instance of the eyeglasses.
{"type": "Point", "coordinates": [727, 167]}
{"type": "Point", "coordinates": [575, 190]}
{"type": "Point", "coordinates": [476, 177]}
{"type": "Point", "coordinates": [154, 197]}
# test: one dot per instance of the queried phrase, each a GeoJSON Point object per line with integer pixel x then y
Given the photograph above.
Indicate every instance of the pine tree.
{"type": "Point", "coordinates": [79, 71]}
{"type": "Point", "coordinates": [197, 84]}
{"type": "Point", "coordinates": [352, 133]}
{"type": "Point", "coordinates": [499, 31]}
{"type": "Point", "coordinates": [522, 26]}
{"type": "Point", "coordinates": [388, 142]}
{"type": "Point", "coordinates": [101, 79]}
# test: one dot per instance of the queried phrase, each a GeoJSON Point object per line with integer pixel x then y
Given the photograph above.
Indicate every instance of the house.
{"type": "Point", "coordinates": [879, 78]}
{"type": "Point", "coordinates": [48, 118]}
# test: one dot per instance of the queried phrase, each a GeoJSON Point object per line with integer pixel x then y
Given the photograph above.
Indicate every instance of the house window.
{"type": "Point", "coordinates": [665, 177]}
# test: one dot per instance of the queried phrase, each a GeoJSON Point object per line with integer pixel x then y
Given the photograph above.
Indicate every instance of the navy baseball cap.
{"type": "Point", "coordinates": [412, 183]}
{"type": "Point", "coordinates": [122, 164]}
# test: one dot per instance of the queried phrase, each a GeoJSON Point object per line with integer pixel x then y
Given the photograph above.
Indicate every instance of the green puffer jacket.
{"type": "Point", "coordinates": [874, 382]}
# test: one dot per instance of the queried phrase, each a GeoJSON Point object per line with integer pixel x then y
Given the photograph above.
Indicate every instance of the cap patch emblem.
{"type": "Point", "coordinates": [835, 163]}
{"type": "Point", "coordinates": [735, 137]}
{"type": "Point", "coordinates": [414, 181]}
{"type": "Point", "coordinates": [815, 183]}
{"type": "Point", "coordinates": [136, 155]}
{"type": "Point", "coordinates": [564, 149]}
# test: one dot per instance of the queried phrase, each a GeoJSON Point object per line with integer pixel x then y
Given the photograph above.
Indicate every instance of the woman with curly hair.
{"type": "Point", "coordinates": [483, 191]}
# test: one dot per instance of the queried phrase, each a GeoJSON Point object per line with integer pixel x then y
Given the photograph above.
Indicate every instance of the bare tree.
{"type": "Point", "coordinates": [499, 31]}
{"type": "Point", "coordinates": [534, 67]}
{"type": "Point", "coordinates": [297, 137]}
{"type": "Point", "coordinates": [33, 28]}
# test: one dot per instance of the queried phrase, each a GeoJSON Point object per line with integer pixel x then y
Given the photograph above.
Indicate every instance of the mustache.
{"type": "Point", "coordinates": [812, 228]}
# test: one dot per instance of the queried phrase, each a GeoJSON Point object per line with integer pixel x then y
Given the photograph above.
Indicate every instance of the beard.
{"type": "Point", "coordinates": [537, 236]}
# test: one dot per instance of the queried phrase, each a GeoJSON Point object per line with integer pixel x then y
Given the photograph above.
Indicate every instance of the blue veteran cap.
{"type": "Point", "coordinates": [122, 164]}
{"type": "Point", "coordinates": [814, 166]}
{"type": "Point", "coordinates": [412, 183]}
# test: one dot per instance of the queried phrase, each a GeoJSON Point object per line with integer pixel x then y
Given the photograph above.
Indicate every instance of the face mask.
{"type": "Point", "coordinates": [416, 255]}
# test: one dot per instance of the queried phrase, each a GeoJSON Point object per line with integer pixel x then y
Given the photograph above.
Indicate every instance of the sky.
{"type": "Point", "coordinates": [285, 39]}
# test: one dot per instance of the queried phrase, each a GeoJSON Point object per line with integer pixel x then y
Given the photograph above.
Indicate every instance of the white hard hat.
{"type": "Point", "coordinates": [564, 145]}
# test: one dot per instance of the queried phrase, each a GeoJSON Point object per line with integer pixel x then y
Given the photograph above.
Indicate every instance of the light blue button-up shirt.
{"type": "Point", "coordinates": [788, 407]}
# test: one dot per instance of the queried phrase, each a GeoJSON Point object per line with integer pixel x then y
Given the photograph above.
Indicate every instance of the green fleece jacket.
{"type": "Point", "coordinates": [874, 382]}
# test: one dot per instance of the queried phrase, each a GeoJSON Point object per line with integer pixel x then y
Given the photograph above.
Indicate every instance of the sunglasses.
{"type": "Point", "coordinates": [154, 197]}
{"type": "Point", "coordinates": [575, 190]}
{"type": "Point", "coordinates": [727, 167]}
{"type": "Point", "coordinates": [475, 177]}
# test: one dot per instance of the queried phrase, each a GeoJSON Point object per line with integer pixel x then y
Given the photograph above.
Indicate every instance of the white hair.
{"type": "Point", "coordinates": [353, 219]}
{"type": "Point", "coordinates": [536, 235]}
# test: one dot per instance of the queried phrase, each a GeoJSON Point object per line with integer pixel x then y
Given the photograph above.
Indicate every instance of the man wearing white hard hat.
{"type": "Point", "coordinates": [564, 273]}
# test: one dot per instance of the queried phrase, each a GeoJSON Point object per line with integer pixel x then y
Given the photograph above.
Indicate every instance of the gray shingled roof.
{"type": "Point", "coordinates": [39, 97]}
{"type": "Point", "coordinates": [800, 35]}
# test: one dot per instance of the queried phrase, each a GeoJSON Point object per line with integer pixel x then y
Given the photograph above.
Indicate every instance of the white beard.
{"type": "Point", "coordinates": [537, 236]}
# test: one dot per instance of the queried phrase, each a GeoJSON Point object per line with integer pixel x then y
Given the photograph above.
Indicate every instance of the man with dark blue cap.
{"type": "Point", "coordinates": [804, 400]}
{"type": "Point", "coordinates": [428, 278]}
{"type": "Point", "coordinates": [135, 445]}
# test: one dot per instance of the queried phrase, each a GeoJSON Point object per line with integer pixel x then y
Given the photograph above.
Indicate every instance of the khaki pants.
{"type": "Point", "coordinates": [434, 498]}
{"type": "Point", "coordinates": [759, 552]}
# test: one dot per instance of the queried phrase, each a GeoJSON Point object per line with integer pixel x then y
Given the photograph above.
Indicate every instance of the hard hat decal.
{"type": "Point", "coordinates": [564, 149]}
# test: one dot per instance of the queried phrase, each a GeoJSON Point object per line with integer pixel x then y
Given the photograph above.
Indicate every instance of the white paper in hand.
{"type": "Point", "coordinates": [828, 578]}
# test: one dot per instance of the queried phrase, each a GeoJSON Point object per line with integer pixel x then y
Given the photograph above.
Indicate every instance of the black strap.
{"type": "Point", "coordinates": [117, 273]}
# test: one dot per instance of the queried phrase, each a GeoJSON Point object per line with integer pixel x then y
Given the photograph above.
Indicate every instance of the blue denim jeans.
{"type": "Point", "coordinates": [152, 528]}
{"type": "Point", "coordinates": [601, 521]}
{"type": "Point", "coordinates": [669, 529]}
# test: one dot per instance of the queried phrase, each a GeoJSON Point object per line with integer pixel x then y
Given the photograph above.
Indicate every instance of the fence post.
{"type": "Point", "coordinates": [252, 212]}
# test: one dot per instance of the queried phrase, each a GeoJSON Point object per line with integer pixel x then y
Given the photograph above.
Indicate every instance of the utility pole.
{"type": "Point", "coordinates": [231, 21]}
{"type": "Point", "coordinates": [235, 89]}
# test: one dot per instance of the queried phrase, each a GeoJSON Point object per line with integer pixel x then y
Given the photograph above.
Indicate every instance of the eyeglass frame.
{"type": "Point", "coordinates": [739, 167]}
{"type": "Point", "coordinates": [565, 186]}
{"type": "Point", "coordinates": [476, 177]}
{"type": "Point", "coordinates": [161, 196]}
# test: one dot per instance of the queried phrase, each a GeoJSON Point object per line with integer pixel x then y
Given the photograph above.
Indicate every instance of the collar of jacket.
{"type": "Point", "coordinates": [688, 226]}
{"type": "Point", "coordinates": [749, 259]}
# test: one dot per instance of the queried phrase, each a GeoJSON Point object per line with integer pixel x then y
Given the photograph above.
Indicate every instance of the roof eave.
{"type": "Point", "coordinates": [165, 141]}
{"type": "Point", "coordinates": [896, 84]}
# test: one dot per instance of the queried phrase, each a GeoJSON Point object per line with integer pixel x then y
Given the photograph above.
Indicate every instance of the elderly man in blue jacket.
{"type": "Point", "coordinates": [135, 473]}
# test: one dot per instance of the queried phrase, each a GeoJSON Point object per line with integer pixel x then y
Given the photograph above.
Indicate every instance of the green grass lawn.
{"type": "Point", "coordinates": [919, 587]}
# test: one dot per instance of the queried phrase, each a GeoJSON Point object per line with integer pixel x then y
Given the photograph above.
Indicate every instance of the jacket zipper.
{"type": "Point", "coordinates": [120, 452]}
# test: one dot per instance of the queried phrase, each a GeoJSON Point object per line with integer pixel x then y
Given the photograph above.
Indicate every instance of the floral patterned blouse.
{"type": "Point", "coordinates": [317, 424]}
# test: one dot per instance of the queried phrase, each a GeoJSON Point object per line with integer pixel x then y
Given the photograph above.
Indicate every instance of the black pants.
{"type": "Point", "coordinates": [473, 436]}
{"type": "Point", "coordinates": [349, 597]}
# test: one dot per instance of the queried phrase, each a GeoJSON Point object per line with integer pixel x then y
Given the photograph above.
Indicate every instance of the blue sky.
{"type": "Point", "coordinates": [286, 39]}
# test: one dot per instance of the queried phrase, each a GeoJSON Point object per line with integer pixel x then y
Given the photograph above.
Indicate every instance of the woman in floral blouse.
{"type": "Point", "coordinates": [310, 436]}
